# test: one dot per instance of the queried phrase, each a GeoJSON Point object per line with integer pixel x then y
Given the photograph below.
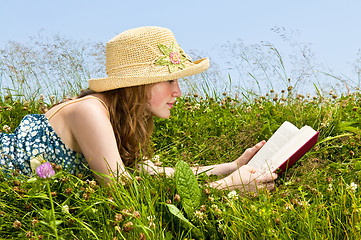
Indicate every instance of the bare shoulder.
{"type": "Point", "coordinates": [87, 114]}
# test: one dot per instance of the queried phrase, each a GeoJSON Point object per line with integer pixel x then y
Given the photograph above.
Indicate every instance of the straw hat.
{"type": "Point", "coordinates": [145, 55]}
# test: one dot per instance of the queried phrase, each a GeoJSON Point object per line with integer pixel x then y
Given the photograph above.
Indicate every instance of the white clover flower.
{"type": "Point", "coordinates": [65, 209]}
{"type": "Point", "coordinates": [200, 215]}
{"type": "Point", "coordinates": [151, 220]}
{"type": "Point", "coordinates": [304, 203]}
{"type": "Point", "coordinates": [6, 128]}
{"type": "Point", "coordinates": [288, 206]}
{"type": "Point", "coordinates": [233, 195]}
{"type": "Point", "coordinates": [352, 187]}
{"type": "Point", "coordinates": [330, 187]}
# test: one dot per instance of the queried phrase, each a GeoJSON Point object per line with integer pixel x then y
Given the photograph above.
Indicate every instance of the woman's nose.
{"type": "Point", "coordinates": [176, 91]}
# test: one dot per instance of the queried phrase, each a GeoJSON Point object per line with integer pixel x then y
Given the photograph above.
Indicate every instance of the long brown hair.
{"type": "Point", "coordinates": [131, 121]}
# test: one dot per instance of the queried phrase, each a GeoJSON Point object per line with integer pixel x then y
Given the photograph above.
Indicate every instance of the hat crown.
{"type": "Point", "coordinates": [136, 47]}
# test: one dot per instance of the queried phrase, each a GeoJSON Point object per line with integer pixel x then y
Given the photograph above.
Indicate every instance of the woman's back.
{"type": "Point", "coordinates": [47, 137]}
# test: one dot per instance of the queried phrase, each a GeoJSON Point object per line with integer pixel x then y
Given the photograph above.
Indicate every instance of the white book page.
{"type": "Point", "coordinates": [290, 148]}
{"type": "Point", "coordinates": [280, 138]}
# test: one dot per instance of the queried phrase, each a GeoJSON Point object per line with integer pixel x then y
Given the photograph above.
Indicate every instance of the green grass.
{"type": "Point", "coordinates": [315, 199]}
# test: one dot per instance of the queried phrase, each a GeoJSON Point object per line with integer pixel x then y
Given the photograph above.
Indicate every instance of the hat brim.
{"type": "Point", "coordinates": [114, 82]}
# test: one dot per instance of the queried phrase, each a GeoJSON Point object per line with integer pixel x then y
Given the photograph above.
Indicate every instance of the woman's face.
{"type": "Point", "coordinates": [162, 97]}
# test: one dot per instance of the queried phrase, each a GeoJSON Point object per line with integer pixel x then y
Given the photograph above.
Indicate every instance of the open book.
{"type": "Point", "coordinates": [284, 148]}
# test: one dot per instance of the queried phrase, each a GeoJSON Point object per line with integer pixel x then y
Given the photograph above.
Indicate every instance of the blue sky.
{"type": "Point", "coordinates": [332, 27]}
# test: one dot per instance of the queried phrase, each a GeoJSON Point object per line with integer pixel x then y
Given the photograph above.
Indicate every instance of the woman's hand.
{"type": "Point", "coordinates": [247, 179]}
{"type": "Point", "coordinates": [248, 154]}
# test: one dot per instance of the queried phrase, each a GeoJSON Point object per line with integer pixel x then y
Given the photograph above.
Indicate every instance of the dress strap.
{"type": "Point", "coordinates": [78, 100]}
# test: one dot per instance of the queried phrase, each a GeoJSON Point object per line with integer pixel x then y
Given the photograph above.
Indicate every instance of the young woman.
{"type": "Point", "coordinates": [105, 128]}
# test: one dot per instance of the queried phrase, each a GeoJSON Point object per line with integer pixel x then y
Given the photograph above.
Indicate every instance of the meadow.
{"type": "Point", "coordinates": [317, 198]}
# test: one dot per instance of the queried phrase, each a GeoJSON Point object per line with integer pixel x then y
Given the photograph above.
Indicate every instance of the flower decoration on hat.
{"type": "Point", "coordinates": [173, 57]}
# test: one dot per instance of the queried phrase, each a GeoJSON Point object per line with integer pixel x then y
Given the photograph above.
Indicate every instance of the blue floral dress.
{"type": "Point", "coordinates": [35, 137]}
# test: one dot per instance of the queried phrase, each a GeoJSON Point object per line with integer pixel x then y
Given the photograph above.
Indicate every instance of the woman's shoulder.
{"type": "Point", "coordinates": [89, 106]}
{"type": "Point", "coordinates": [85, 106]}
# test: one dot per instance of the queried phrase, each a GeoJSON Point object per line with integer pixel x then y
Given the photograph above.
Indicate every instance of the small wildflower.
{"type": "Point", "coordinates": [168, 201]}
{"type": "Point", "coordinates": [200, 215]}
{"type": "Point", "coordinates": [138, 178]}
{"type": "Point", "coordinates": [92, 183]}
{"type": "Point", "coordinates": [53, 194]}
{"type": "Point", "coordinates": [136, 214]}
{"type": "Point", "coordinates": [86, 196]}
{"type": "Point", "coordinates": [126, 211]}
{"type": "Point", "coordinates": [202, 208]}
{"type": "Point", "coordinates": [128, 226]}
{"type": "Point", "coordinates": [17, 224]}
{"type": "Point", "coordinates": [288, 206]}
{"type": "Point", "coordinates": [34, 222]}
{"type": "Point", "coordinates": [6, 128]}
{"type": "Point", "coordinates": [118, 218]}
{"type": "Point", "coordinates": [352, 187]}
{"type": "Point", "coordinates": [65, 209]}
{"type": "Point", "coordinates": [176, 198]}
{"type": "Point", "coordinates": [289, 88]}
{"type": "Point", "coordinates": [45, 170]}
{"type": "Point", "coordinates": [207, 191]}
{"type": "Point", "coordinates": [68, 191]}
{"type": "Point", "coordinates": [151, 221]}
{"type": "Point", "coordinates": [277, 221]}
{"type": "Point", "coordinates": [142, 236]}
{"type": "Point", "coordinates": [28, 234]}
{"type": "Point", "coordinates": [233, 195]}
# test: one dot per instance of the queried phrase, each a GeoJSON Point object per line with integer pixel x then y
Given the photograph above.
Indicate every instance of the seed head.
{"type": "Point", "coordinates": [136, 214]}
{"type": "Point", "coordinates": [17, 224]}
{"type": "Point", "coordinates": [118, 218]}
{"type": "Point", "coordinates": [176, 198]}
{"type": "Point", "coordinates": [142, 236]}
{"type": "Point", "coordinates": [68, 191]}
{"type": "Point", "coordinates": [128, 226]}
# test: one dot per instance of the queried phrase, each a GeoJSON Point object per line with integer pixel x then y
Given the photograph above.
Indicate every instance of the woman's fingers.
{"type": "Point", "coordinates": [267, 185]}
{"type": "Point", "coordinates": [250, 152]}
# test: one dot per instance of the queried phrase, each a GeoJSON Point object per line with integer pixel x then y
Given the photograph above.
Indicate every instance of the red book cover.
{"type": "Point", "coordinates": [298, 154]}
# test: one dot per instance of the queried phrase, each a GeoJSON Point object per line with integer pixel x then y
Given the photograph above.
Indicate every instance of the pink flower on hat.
{"type": "Point", "coordinates": [175, 58]}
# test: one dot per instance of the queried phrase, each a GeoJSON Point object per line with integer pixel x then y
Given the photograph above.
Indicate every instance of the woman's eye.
{"type": "Point", "coordinates": [171, 81]}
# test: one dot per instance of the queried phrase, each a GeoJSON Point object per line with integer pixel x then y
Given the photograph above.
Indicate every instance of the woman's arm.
{"type": "Point", "coordinates": [217, 169]}
{"type": "Point", "coordinates": [246, 179]}
{"type": "Point", "coordinates": [91, 127]}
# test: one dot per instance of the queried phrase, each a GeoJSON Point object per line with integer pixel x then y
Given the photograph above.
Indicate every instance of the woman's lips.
{"type": "Point", "coordinates": [171, 104]}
